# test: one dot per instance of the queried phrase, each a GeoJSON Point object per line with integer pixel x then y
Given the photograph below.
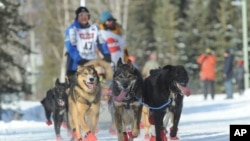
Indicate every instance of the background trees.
{"type": "Point", "coordinates": [12, 47]}
{"type": "Point", "coordinates": [179, 30]}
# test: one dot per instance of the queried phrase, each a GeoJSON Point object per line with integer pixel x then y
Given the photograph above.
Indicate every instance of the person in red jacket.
{"type": "Point", "coordinates": [207, 63]}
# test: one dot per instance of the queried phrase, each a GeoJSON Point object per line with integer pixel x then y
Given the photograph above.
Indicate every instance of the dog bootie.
{"type": "Point", "coordinates": [49, 123]}
{"type": "Point", "coordinates": [112, 131]}
{"type": "Point", "coordinates": [151, 119]}
{"type": "Point", "coordinates": [174, 138]}
{"type": "Point", "coordinates": [152, 138]}
{"type": "Point", "coordinates": [142, 125]}
{"type": "Point", "coordinates": [96, 130]}
{"type": "Point", "coordinates": [90, 137]}
{"type": "Point", "coordinates": [64, 125]}
{"type": "Point", "coordinates": [163, 135]}
{"type": "Point", "coordinates": [171, 128]}
{"type": "Point", "coordinates": [74, 135]}
{"type": "Point", "coordinates": [146, 137]}
{"type": "Point", "coordinates": [130, 134]}
{"type": "Point", "coordinates": [58, 138]}
{"type": "Point", "coordinates": [125, 136]}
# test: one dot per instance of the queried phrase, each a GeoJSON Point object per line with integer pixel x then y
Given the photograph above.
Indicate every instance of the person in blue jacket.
{"type": "Point", "coordinates": [228, 73]}
{"type": "Point", "coordinates": [81, 41]}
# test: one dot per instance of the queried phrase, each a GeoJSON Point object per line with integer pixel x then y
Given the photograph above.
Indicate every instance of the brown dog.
{"type": "Point", "coordinates": [84, 103]}
{"type": "Point", "coordinates": [146, 124]}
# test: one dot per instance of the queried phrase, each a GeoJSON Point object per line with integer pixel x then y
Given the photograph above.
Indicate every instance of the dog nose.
{"type": "Point", "coordinates": [91, 79]}
{"type": "Point", "coordinates": [125, 85]}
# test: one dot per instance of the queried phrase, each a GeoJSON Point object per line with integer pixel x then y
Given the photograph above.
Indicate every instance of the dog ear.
{"type": "Point", "coordinates": [79, 68]}
{"type": "Point", "coordinates": [168, 67]}
{"type": "Point", "coordinates": [92, 67]}
{"type": "Point", "coordinates": [67, 81]}
{"type": "Point", "coordinates": [119, 63]}
{"type": "Point", "coordinates": [57, 82]}
{"type": "Point", "coordinates": [129, 62]}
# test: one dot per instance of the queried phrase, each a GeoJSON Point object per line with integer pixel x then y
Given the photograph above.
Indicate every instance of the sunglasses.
{"type": "Point", "coordinates": [110, 19]}
{"type": "Point", "coordinates": [83, 14]}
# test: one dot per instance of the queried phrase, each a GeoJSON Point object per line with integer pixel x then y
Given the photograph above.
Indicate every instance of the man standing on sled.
{"type": "Point", "coordinates": [81, 41]}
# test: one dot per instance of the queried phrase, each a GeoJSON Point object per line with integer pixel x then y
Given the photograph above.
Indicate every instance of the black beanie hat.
{"type": "Point", "coordinates": [81, 9]}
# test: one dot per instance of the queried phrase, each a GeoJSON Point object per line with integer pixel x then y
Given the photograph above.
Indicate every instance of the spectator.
{"type": "Point", "coordinates": [239, 75]}
{"type": "Point", "coordinates": [228, 73]}
{"type": "Point", "coordinates": [150, 64]}
{"type": "Point", "coordinates": [111, 37]}
{"type": "Point", "coordinates": [81, 41]}
{"type": "Point", "coordinates": [133, 60]}
{"type": "Point", "coordinates": [207, 74]}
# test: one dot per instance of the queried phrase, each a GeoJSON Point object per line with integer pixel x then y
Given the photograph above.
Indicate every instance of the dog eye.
{"type": "Point", "coordinates": [120, 76]}
{"type": "Point", "coordinates": [129, 76]}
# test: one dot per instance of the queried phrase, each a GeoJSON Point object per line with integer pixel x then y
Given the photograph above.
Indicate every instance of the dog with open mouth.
{"type": "Point", "coordinates": [163, 92]}
{"type": "Point", "coordinates": [84, 103]}
{"type": "Point", "coordinates": [124, 106]}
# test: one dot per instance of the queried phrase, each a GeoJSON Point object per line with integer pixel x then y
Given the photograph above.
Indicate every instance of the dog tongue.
{"type": "Point", "coordinates": [91, 86]}
{"type": "Point", "coordinates": [185, 90]}
{"type": "Point", "coordinates": [120, 97]}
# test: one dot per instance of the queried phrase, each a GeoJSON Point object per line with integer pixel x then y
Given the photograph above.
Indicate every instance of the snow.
{"type": "Point", "coordinates": [200, 121]}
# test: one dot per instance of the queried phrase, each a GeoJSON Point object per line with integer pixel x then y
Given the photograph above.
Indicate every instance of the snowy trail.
{"type": "Point", "coordinates": [201, 121]}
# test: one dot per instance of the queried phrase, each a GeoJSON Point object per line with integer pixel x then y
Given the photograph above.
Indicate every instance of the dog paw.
{"type": "Point", "coordinates": [152, 138]}
{"type": "Point", "coordinates": [146, 137]}
{"type": "Point", "coordinates": [96, 130]}
{"type": "Point", "coordinates": [151, 119]}
{"type": "Point", "coordinates": [74, 135]}
{"type": "Point", "coordinates": [125, 137]}
{"type": "Point", "coordinates": [90, 137]}
{"type": "Point", "coordinates": [130, 134]}
{"type": "Point", "coordinates": [112, 131]}
{"type": "Point", "coordinates": [174, 138]}
{"type": "Point", "coordinates": [58, 138]}
{"type": "Point", "coordinates": [163, 135]}
{"type": "Point", "coordinates": [141, 125]}
{"type": "Point", "coordinates": [49, 123]}
{"type": "Point", "coordinates": [172, 128]}
{"type": "Point", "coordinates": [64, 125]}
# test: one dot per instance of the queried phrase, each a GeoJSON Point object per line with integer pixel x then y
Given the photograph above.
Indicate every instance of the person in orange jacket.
{"type": "Point", "coordinates": [207, 63]}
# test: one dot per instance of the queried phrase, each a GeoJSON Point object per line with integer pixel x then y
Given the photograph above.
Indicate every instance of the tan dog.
{"type": "Point", "coordinates": [146, 124]}
{"type": "Point", "coordinates": [84, 103]}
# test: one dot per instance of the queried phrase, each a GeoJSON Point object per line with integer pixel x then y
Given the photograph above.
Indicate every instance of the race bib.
{"type": "Point", "coordinates": [86, 43]}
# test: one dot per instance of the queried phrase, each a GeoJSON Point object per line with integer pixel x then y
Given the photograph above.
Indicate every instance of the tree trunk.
{"type": "Point", "coordinates": [64, 57]}
{"type": "Point", "coordinates": [125, 17]}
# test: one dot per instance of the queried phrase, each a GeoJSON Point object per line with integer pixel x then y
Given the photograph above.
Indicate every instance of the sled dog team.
{"type": "Point", "coordinates": [76, 104]}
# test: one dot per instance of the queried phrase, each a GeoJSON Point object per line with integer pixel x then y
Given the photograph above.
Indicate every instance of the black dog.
{"type": "Point", "coordinates": [56, 103]}
{"type": "Point", "coordinates": [168, 83]}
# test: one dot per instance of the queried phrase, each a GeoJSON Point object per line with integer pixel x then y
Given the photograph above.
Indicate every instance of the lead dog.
{"type": "Point", "coordinates": [84, 103]}
{"type": "Point", "coordinates": [168, 83]}
{"type": "Point", "coordinates": [124, 105]}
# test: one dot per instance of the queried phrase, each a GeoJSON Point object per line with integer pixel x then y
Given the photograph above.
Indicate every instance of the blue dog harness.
{"type": "Point", "coordinates": [154, 108]}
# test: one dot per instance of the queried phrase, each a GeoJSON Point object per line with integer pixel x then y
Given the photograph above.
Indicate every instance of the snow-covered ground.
{"type": "Point", "coordinates": [201, 121]}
